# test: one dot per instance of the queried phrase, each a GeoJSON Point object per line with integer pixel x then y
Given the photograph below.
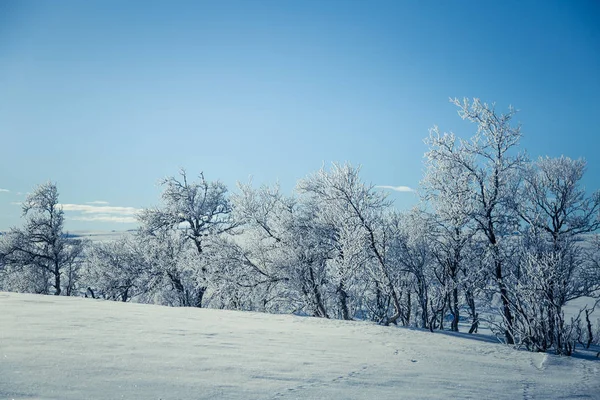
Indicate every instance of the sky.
{"type": "Point", "coordinates": [105, 98]}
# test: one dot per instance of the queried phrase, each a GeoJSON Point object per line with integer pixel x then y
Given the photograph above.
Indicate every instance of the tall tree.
{"type": "Point", "coordinates": [489, 162]}
{"type": "Point", "coordinates": [199, 211]}
{"type": "Point", "coordinates": [362, 206]}
{"type": "Point", "coordinates": [557, 211]}
{"type": "Point", "coordinates": [41, 249]}
{"type": "Point", "coordinates": [446, 190]}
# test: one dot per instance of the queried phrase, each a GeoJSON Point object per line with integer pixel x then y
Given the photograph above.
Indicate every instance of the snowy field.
{"type": "Point", "coordinates": [75, 348]}
{"type": "Point", "coordinates": [99, 236]}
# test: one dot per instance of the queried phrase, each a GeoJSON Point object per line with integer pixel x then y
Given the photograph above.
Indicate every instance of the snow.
{"type": "Point", "coordinates": [100, 236]}
{"type": "Point", "coordinates": [75, 348]}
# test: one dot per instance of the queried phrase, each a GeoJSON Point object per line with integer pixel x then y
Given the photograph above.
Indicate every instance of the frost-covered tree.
{"type": "Point", "coordinates": [410, 249]}
{"type": "Point", "coordinates": [40, 257]}
{"type": "Point", "coordinates": [116, 270]}
{"type": "Point", "coordinates": [363, 207]}
{"type": "Point", "coordinates": [347, 258]}
{"type": "Point", "coordinates": [446, 190]}
{"type": "Point", "coordinates": [553, 201]}
{"type": "Point", "coordinates": [557, 212]}
{"type": "Point", "coordinates": [264, 214]}
{"type": "Point", "coordinates": [195, 212]}
{"type": "Point", "coordinates": [179, 274]}
{"type": "Point", "coordinates": [288, 247]}
{"type": "Point", "coordinates": [488, 162]}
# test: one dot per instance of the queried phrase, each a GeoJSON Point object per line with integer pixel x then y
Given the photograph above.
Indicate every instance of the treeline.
{"type": "Point", "coordinates": [495, 237]}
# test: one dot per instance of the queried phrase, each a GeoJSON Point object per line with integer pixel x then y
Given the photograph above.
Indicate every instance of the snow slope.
{"type": "Point", "coordinates": [75, 348]}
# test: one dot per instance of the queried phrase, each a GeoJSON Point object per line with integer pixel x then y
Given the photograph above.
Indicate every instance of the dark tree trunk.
{"type": "Point", "coordinates": [200, 296]}
{"type": "Point", "coordinates": [408, 308]}
{"type": "Point", "coordinates": [178, 285]}
{"type": "Point", "coordinates": [343, 297]}
{"type": "Point", "coordinates": [312, 292]}
{"type": "Point", "coordinates": [590, 338]}
{"type": "Point", "coordinates": [455, 309]}
{"type": "Point", "coordinates": [57, 289]}
{"type": "Point", "coordinates": [474, 316]}
{"type": "Point", "coordinates": [508, 318]}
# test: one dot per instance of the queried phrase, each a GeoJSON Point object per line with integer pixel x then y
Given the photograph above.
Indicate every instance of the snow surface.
{"type": "Point", "coordinates": [76, 348]}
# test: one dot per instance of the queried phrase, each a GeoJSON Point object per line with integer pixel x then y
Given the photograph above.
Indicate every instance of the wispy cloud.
{"type": "Point", "coordinates": [4, 190]}
{"type": "Point", "coordinates": [105, 218]}
{"type": "Point", "coordinates": [397, 188]}
{"type": "Point", "coordinates": [93, 209]}
{"type": "Point", "coordinates": [98, 202]}
{"type": "Point", "coordinates": [99, 211]}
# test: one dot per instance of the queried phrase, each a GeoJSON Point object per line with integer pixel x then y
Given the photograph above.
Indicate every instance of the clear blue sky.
{"type": "Point", "coordinates": [107, 97]}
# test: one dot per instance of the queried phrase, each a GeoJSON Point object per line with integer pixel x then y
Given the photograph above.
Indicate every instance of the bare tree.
{"type": "Point", "coordinates": [289, 247]}
{"type": "Point", "coordinates": [489, 165]}
{"type": "Point", "coordinates": [446, 190]}
{"type": "Point", "coordinates": [116, 270]}
{"type": "Point", "coordinates": [363, 207]}
{"type": "Point", "coordinates": [41, 252]}
{"type": "Point", "coordinates": [557, 212]}
{"type": "Point", "coordinates": [199, 211]}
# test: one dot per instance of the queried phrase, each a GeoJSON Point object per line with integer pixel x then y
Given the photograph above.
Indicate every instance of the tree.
{"type": "Point", "coordinates": [446, 189]}
{"type": "Point", "coordinates": [41, 252]}
{"type": "Point", "coordinates": [288, 247]}
{"type": "Point", "coordinates": [557, 212]}
{"type": "Point", "coordinates": [553, 201]}
{"type": "Point", "coordinates": [363, 207]}
{"type": "Point", "coordinates": [199, 211]}
{"type": "Point", "coordinates": [489, 165]}
{"type": "Point", "coordinates": [116, 270]}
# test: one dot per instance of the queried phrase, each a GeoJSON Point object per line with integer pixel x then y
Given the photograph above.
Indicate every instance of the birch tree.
{"type": "Point", "coordinates": [446, 189]}
{"type": "Point", "coordinates": [362, 206]}
{"type": "Point", "coordinates": [557, 212]}
{"type": "Point", "coordinates": [289, 247]}
{"type": "Point", "coordinates": [489, 163]}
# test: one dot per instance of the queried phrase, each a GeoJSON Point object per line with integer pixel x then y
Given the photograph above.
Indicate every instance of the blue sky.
{"type": "Point", "coordinates": [107, 97]}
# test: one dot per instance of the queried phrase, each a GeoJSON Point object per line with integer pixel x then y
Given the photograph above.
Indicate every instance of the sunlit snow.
{"type": "Point", "coordinates": [75, 348]}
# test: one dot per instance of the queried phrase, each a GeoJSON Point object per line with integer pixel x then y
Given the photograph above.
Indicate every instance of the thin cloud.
{"type": "Point", "coordinates": [93, 209]}
{"type": "Point", "coordinates": [105, 218]}
{"type": "Point", "coordinates": [97, 202]}
{"type": "Point", "coordinates": [4, 191]}
{"type": "Point", "coordinates": [405, 189]}
{"type": "Point", "coordinates": [99, 212]}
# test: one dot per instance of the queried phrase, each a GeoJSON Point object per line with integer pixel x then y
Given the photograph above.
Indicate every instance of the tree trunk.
{"type": "Point", "coordinates": [178, 285]}
{"type": "Point", "coordinates": [408, 308]}
{"type": "Point", "coordinates": [474, 316]}
{"type": "Point", "coordinates": [200, 296]}
{"type": "Point", "coordinates": [455, 309]}
{"type": "Point", "coordinates": [57, 280]}
{"type": "Point", "coordinates": [508, 318]}
{"type": "Point", "coordinates": [343, 297]}
{"type": "Point", "coordinates": [315, 295]}
{"type": "Point", "coordinates": [590, 338]}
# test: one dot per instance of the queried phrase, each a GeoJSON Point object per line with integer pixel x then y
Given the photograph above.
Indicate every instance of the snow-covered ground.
{"type": "Point", "coordinates": [99, 236]}
{"type": "Point", "coordinates": [75, 348]}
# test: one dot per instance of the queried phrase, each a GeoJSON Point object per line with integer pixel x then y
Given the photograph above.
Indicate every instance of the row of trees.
{"type": "Point", "coordinates": [495, 235]}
